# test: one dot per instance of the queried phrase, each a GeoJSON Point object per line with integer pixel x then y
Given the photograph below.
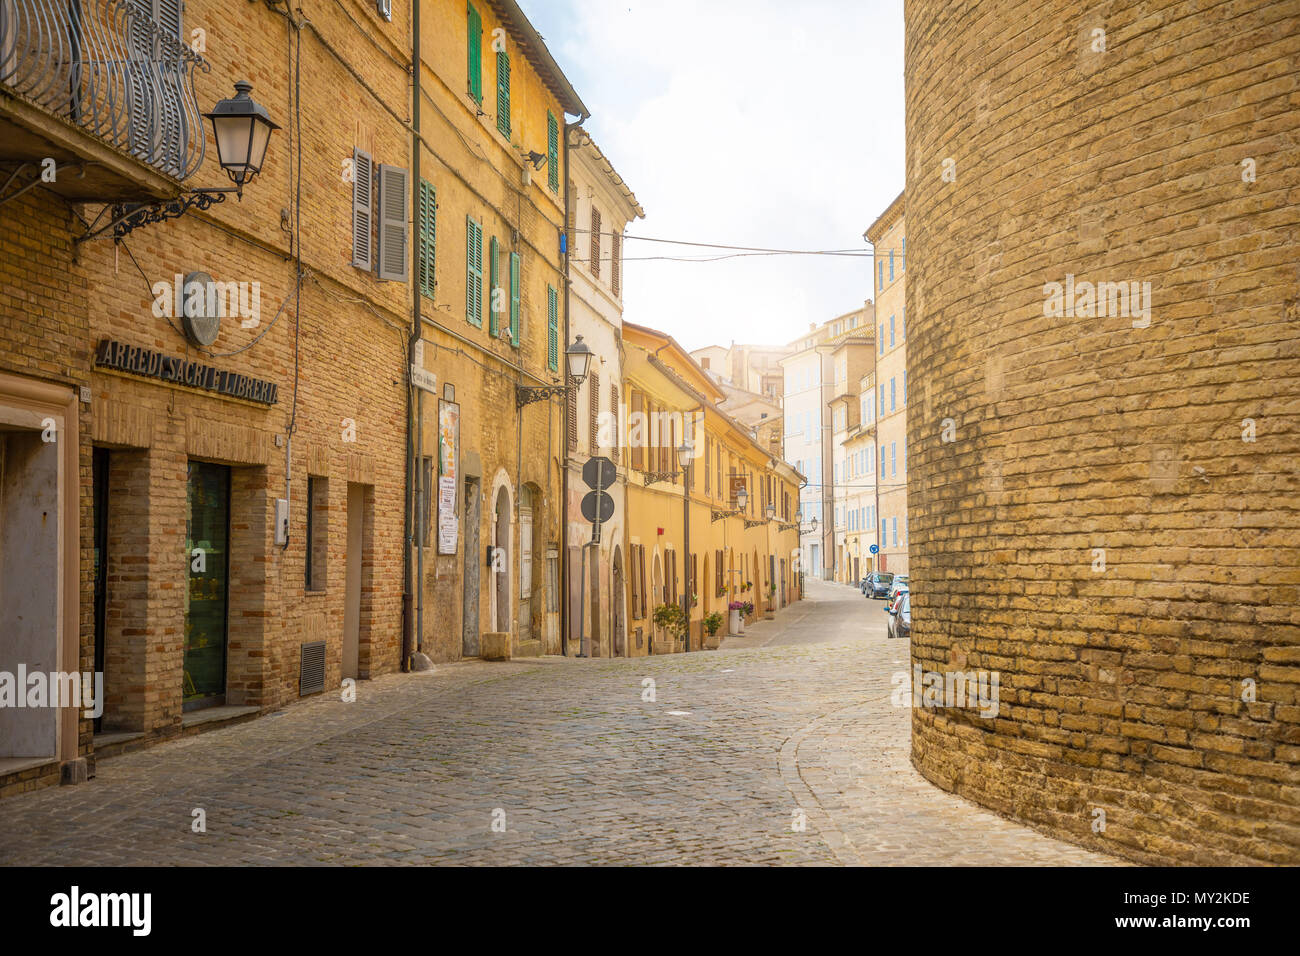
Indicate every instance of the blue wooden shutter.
{"type": "Point", "coordinates": [514, 299]}
{"type": "Point", "coordinates": [475, 55]}
{"type": "Point", "coordinates": [503, 93]}
{"type": "Point", "coordinates": [494, 283]}
{"type": "Point", "coordinates": [552, 329]}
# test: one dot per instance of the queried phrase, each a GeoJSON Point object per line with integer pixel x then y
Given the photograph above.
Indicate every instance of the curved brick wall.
{"type": "Point", "coordinates": [1080, 439]}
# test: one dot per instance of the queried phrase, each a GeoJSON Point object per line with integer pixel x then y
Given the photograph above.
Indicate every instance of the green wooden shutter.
{"type": "Point", "coordinates": [552, 151]}
{"type": "Point", "coordinates": [474, 273]}
{"type": "Point", "coordinates": [514, 299]}
{"type": "Point", "coordinates": [503, 93]}
{"type": "Point", "coordinates": [428, 231]}
{"type": "Point", "coordinates": [552, 329]}
{"type": "Point", "coordinates": [494, 283]}
{"type": "Point", "coordinates": [475, 55]}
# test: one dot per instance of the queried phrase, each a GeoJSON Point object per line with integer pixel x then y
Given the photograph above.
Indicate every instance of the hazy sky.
{"type": "Point", "coordinates": [741, 122]}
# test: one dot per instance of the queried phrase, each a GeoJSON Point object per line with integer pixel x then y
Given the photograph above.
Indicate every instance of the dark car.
{"type": "Point", "coordinates": [877, 584]}
{"type": "Point", "coordinates": [900, 616]}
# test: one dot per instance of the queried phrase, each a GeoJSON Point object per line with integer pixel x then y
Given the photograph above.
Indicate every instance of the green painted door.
{"type": "Point", "coordinates": [206, 599]}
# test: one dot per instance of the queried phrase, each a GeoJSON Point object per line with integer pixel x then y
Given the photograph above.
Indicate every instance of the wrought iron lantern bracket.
{"type": "Point", "coordinates": [131, 216]}
{"type": "Point", "coordinates": [527, 394]}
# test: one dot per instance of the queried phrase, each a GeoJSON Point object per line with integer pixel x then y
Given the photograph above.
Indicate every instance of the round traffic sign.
{"type": "Point", "coordinates": [594, 500]}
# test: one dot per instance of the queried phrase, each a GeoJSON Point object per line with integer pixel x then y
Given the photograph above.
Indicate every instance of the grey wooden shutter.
{"type": "Point", "coordinates": [394, 224]}
{"type": "Point", "coordinates": [171, 126]}
{"type": "Point", "coordinates": [363, 174]}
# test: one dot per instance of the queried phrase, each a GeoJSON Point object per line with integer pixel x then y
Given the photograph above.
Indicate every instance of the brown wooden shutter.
{"type": "Point", "coordinates": [637, 452]}
{"type": "Point", "coordinates": [633, 581]}
{"type": "Point", "coordinates": [573, 215]}
{"type": "Point", "coordinates": [642, 563]}
{"type": "Point", "coordinates": [571, 426]}
{"type": "Point", "coordinates": [595, 241]}
{"type": "Point", "coordinates": [670, 458]}
{"type": "Point", "coordinates": [615, 401]}
{"type": "Point", "coordinates": [593, 414]}
{"type": "Point", "coordinates": [708, 455]}
{"type": "Point", "coordinates": [616, 264]}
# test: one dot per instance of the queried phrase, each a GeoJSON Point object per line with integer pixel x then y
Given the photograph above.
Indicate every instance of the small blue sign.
{"type": "Point", "coordinates": [874, 549]}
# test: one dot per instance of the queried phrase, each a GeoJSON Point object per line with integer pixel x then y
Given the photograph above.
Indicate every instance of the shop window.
{"type": "Point", "coordinates": [317, 545]}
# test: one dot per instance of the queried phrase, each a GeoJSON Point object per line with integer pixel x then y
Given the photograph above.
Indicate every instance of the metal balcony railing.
{"type": "Point", "coordinates": [109, 69]}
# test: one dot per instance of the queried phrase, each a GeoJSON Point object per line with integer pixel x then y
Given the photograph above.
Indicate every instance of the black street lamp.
{"type": "Point", "coordinates": [242, 129]}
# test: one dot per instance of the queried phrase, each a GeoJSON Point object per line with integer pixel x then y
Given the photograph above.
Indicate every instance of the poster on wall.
{"type": "Point", "coordinates": [448, 476]}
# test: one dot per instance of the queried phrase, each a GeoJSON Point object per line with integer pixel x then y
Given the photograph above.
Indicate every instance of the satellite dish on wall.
{"type": "Point", "coordinates": [200, 316]}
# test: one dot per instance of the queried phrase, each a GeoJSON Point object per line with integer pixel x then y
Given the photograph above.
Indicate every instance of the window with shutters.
{"type": "Point", "coordinates": [514, 299]}
{"type": "Point", "coordinates": [708, 462]}
{"type": "Point", "coordinates": [427, 238]}
{"type": "Point", "coordinates": [593, 414]}
{"type": "Point", "coordinates": [503, 93]}
{"type": "Point", "coordinates": [595, 242]}
{"type": "Point", "coordinates": [573, 214]}
{"type": "Point", "coordinates": [473, 272]}
{"type": "Point", "coordinates": [494, 284]}
{"type": "Point", "coordinates": [638, 419]}
{"type": "Point", "coordinates": [640, 572]}
{"type": "Point", "coordinates": [475, 50]}
{"type": "Point", "coordinates": [616, 264]}
{"type": "Point", "coordinates": [363, 175]}
{"type": "Point", "coordinates": [635, 580]}
{"type": "Point", "coordinates": [552, 329]}
{"type": "Point", "coordinates": [552, 152]}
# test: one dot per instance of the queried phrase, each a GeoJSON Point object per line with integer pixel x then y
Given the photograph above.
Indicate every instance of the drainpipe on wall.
{"type": "Point", "coordinates": [408, 623]}
{"type": "Point", "coordinates": [565, 610]}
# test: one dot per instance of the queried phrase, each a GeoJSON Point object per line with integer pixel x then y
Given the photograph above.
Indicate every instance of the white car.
{"type": "Point", "coordinates": [900, 584]}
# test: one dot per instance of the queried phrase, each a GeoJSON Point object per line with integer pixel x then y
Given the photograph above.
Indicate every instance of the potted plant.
{"type": "Point", "coordinates": [737, 609]}
{"type": "Point", "coordinates": [712, 624]}
{"type": "Point", "coordinates": [722, 592]}
{"type": "Point", "coordinates": [747, 608]}
{"type": "Point", "coordinates": [671, 619]}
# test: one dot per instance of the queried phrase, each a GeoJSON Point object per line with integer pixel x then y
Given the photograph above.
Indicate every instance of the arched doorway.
{"type": "Point", "coordinates": [619, 629]}
{"type": "Point", "coordinates": [501, 561]}
{"type": "Point", "coordinates": [530, 590]}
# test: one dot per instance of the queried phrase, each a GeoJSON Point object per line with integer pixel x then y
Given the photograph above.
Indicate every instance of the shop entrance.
{"type": "Point", "coordinates": [207, 597]}
{"type": "Point", "coordinates": [99, 484]}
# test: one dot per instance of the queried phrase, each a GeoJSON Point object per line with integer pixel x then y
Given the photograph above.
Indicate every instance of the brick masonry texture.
{"type": "Point", "coordinates": [1079, 438]}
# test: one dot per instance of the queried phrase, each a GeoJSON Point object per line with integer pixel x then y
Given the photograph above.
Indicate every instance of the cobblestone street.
{"type": "Point", "coordinates": [793, 717]}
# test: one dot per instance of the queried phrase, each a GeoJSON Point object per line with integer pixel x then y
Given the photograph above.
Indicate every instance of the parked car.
{"type": "Point", "coordinates": [900, 616]}
{"type": "Point", "coordinates": [876, 584]}
{"type": "Point", "coordinates": [900, 584]}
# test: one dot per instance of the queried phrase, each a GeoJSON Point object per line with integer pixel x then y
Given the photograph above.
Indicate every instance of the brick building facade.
{"type": "Point", "coordinates": [146, 469]}
{"type": "Point", "coordinates": [1113, 525]}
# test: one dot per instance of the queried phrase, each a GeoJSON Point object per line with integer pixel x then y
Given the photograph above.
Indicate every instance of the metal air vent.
{"type": "Point", "coordinates": [311, 672]}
